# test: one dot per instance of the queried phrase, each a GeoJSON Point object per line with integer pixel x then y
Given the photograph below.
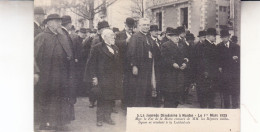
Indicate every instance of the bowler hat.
{"type": "Point", "coordinates": [52, 17]}
{"type": "Point", "coordinates": [39, 11]}
{"type": "Point", "coordinates": [130, 22]}
{"type": "Point", "coordinates": [115, 29]}
{"type": "Point", "coordinates": [168, 29]}
{"type": "Point", "coordinates": [211, 31]}
{"type": "Point", "coordinates": [190, 36]}
{"type": "Point", "coordinates": [102, 24]}
{"type": "Point", "coordinates": [172, 32]}
{"type": "Point", "coordinates": [66, 19]}
{"type": "Point", "coordinates": [202, 33]}
{"type": "Point", "coordinates": [181, 29]}
{"type": "Point", "coordinates": [224, 33]}
{"type": "Point", "coordinates": [153, 28]}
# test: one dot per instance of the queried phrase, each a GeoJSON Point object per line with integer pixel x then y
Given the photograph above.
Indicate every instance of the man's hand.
{"type": "Point", "coordinates": [186, 60]}
{"type": "Point", "coordinates": [95, 81]}
{"type": "Point", "coordinates": [36, 78]}
{"type": "Point", "coordinates": [220, 69]}
{"type": "Point", "coordinates": [183, 66]}
{"type": "Point", "coordinates": [176, 66]}
{"type": "Point", "coordinates": [235, 57]}
{"type": "Point", "coordinates": [135, 70]}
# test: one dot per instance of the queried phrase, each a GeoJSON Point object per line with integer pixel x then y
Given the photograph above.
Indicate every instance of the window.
{"type": "Point", "coordinates": [184, 17]}
{"type": "Point", "coordinates": [159, 20]}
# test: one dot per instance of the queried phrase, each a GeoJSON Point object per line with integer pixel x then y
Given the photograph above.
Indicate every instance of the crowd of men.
{"type": "Point", "coordinates": [145, 68]}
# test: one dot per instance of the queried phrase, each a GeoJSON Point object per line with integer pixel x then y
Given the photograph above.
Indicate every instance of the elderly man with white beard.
{"type": "Point", "coordinates": [104, 69]}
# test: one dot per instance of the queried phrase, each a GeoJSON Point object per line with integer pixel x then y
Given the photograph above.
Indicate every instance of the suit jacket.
{"type": "Point", "coordinates": [173, 78]}
{"type": "Point", "coordinates": [105, 66]}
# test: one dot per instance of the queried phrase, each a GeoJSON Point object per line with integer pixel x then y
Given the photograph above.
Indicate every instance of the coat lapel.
{"type": "Point", "coordinates": [66, 46]}
{"type": "Point", "coordinates": [106, 51]}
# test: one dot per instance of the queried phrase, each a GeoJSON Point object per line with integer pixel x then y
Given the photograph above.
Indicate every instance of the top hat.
{"type": "Point", "coordinates": [224, 33]}
{"type": "Point", "coordinates": [39, 11]}
{"type": "Point", "coordinates": [190, 36]}
{"type": "Point", "coordinates": [115, 29]}
{"type": "Point", "coordinates": [102, 24]}
{"type": "Point", "coordinates": [153, 28]}
{"type": "Point", "coordinates": [181, 29]}
{"type": "Point", "coordinates": [52, 17]}
{"type": "Point", "coordinates": [202, 33]}
{"type": "Point", "coordinates": [66, 19]}
{"type": "Point", "coordinates": [211, 31]}
{"type": "Point", "coordinates": [173, 32]}
{"type": "Point", "coordinates": [130, 22]}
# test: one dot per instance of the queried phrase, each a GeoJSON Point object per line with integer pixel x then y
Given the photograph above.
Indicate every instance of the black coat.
{"type": "Point", "coordinates": [122, 45]}
{"type": "Point", "coordinates": [56, 86]}
{"type": "Point", "coordinates": [207, 60]}
{"type": "Point", "coordinates": [173, 79]}
{"type": "Point", "coordinates": [230, 68]}
{"type": "Point", "coordinates": [138, 55]}
{"type": "Point", "coordinates": [105, 66]}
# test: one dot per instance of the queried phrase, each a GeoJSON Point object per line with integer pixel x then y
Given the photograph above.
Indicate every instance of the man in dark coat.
{"type": "Point", "coordinates": [38, 20]}
{"type": "Point", "coordinates": [207, 70]}
{"type": "Point", "coordinates": [96, 39]}
{"type": "Point", "coordinates": [104, 68]}
{"type": "Point", "coordinates": [101, 26]}
{"type": "Point", "coordinates": [54, 56]}
{"type": "Point", "coordinates": [122, 40]}
{"type": "Point", "coordinates": [230, 67]}
{"type": "Point", "coordinates": [157, 62]}
{"type": "Point", "coordinates": [165, 38]}
{"type": "Point", "coordinates": [176, 61]}
{"type": "Point", "coordinates": [140, 57]}
{"type": "Point", "coordinates": [38, 28]}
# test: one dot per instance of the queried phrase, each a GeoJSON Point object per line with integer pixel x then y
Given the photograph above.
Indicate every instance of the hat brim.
{"type": "Point", "coordinates": [172, 34]}
{"type": "Point", "coordinates": [225, 35]}
{"type": "Point", "coordinates": [46, 20]}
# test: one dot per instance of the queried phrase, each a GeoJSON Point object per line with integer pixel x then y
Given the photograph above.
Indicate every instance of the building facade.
{"type": "Point", "coordinates": [196, 15]}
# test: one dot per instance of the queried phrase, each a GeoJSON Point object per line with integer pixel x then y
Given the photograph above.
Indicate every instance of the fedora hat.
{"type": "Point", "coordinates": [102, 24]}
{"type": "Point", "coordinates": [130, 22]}
{"type": "Point", "coordinates": [39, 11]}
{"type": "Point", "coordinates": [52, 17]}
{"type": "Point", "coordinates": [211, 31]}
{"type": "Point", "coordinates": [202, 33]}
{"type": "Point", "coordinates": [181, 29]}
{"type": "Point", "coordinates": [66, 19]}
{"type": "Point", "coordinates": [153, 28]}
{"type": "Point", "coordinates": [190, 36]}
{"type": "Point", "coordinates": [224, 33]}
{"type": "Point", "coordinates": [173, 32]}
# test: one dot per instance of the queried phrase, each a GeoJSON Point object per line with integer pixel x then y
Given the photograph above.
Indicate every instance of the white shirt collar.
{"type": "Point", "coordinates": [227, 44]}
{"type": "Point", "coordinates": [36, 23]}
{"type": "Point", "coordinates": [65, 29]}
{"type": "Point", "coordinates": [153, 37]}
{"type": "Point", "coordinates": [210, 41]}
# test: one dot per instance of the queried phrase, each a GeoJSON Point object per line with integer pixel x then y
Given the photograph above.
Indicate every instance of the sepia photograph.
{"type": "Point", "coordinates": [94, 60]}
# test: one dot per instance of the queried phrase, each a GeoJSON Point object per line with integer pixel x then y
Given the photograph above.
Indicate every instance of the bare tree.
{"type": "Point", "coordinates": [86, 9]}
{"type": "Point", "coordinates": [137, 8]}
